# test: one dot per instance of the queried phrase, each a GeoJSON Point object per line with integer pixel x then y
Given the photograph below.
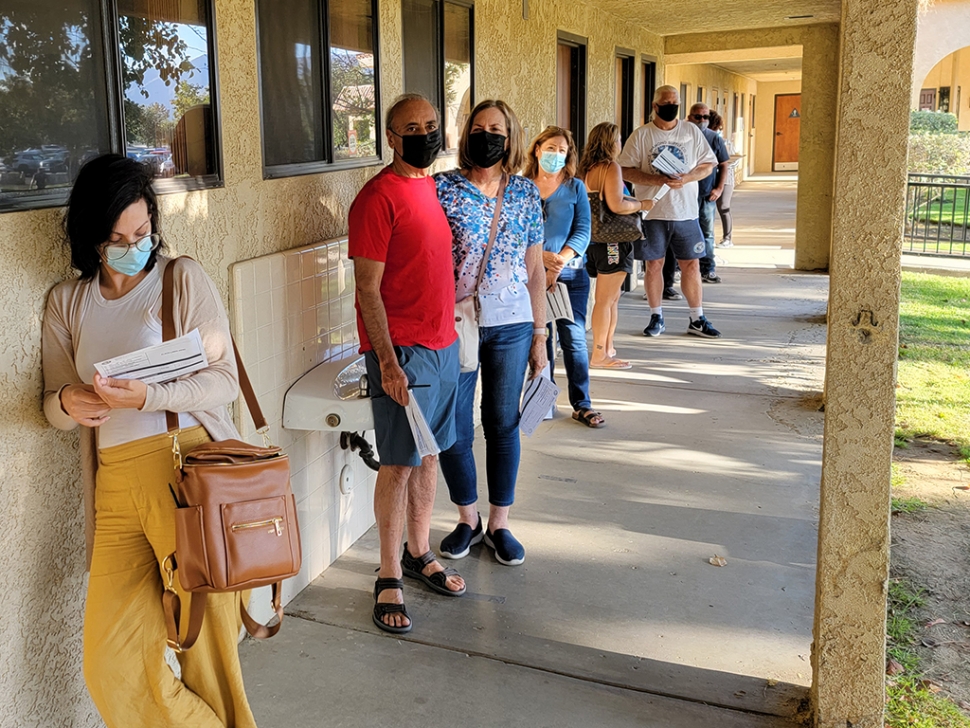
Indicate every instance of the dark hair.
{"type": "Point", "coordinates": [515, 155]}
{"type": "Point", "coordinates": [600, 147]}
{"type": "Point", "coordinates": [551, 132]}
{"type": "Point", "coordinates": [716, 122]}
{"type": "Point", "coordinates": [105, 187]}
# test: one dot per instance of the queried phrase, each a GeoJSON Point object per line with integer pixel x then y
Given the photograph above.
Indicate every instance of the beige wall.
{"type": "Point", "coordinates": [712, 77]}
{"type": "Point", "coordinates": [943, 29]}
{"type": "Point", "coordinates": [765, 121]}
{"type": "Point", "coordinates": [40, 502]}
{"type": "Point", "coordinates": [954, 71]}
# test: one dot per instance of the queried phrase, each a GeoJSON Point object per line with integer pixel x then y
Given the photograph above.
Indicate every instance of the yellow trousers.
{"type": "Point", "coordinates": [124, 625]}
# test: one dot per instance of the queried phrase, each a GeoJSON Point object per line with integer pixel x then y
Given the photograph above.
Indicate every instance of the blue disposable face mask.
{"type": "Point", "coordinates": [552, 162]}
{"type": "Point", "coordinates": [131, 263]}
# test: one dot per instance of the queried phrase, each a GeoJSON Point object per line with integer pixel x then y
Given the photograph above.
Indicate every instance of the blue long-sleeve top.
{"type": "Point", "coordinates": [567, 219]}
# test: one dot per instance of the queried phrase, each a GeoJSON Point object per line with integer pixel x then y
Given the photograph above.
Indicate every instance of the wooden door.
{"type": "Point", "coordinates": [788, 122]}
{"type": "Point", "coordinates": [564, 86]}
{"type": "Point", "coordinates": [927, 99]}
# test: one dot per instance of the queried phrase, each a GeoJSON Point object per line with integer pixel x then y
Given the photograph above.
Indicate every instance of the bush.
{"type": "Point", "coordinates": [939, 153]}
{"type": "Point", "coordinates": [932, 122]}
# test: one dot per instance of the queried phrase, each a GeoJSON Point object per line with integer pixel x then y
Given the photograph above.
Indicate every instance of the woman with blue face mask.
{"type": "Point", "coordinates": [114, 308]}
{"type": "Point", "coordinates": [551, 164]}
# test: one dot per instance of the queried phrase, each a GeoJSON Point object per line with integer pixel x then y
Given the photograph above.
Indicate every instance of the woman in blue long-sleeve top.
{"type": "Point", "coordinates": [551, 164]}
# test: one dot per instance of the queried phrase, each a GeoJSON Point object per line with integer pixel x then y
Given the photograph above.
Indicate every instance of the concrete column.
{"type": "Point", "coordinates": [816, 158]}
{"type": "Point", "coordinates": [877, 46]}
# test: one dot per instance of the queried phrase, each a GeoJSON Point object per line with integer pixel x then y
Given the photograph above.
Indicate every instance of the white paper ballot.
{"type": "Point", "coordinates": [540, 395]}
{"type": "Point", "coordinates": [424, 438]}
{"type": "Point", "coordinates": [156, 364]}
{"type": "Point", "coordinates": [667, 163]}
{"type": "Point", "coordinates": [661, 193]}
{"type": "Point", "coordinates": [558, 305]}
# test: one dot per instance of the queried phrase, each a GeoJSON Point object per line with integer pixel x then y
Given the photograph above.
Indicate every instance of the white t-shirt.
{"type": "Point", "coordinates": [113, 328]}
{"type": "Point", "coordinates": [686, 142]}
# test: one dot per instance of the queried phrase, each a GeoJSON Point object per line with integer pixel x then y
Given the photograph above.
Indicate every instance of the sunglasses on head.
{"type": "Point", "coordinates": [700, 116]}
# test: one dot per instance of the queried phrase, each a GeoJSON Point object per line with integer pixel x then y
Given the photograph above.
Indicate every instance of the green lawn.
{"type": "Point", "coordinates": [934, 360]}
{"type": "Point", "coordinates": [950, 208]}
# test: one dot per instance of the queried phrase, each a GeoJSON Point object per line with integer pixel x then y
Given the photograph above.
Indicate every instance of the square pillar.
{"type": "Point", "coordinates": [848, 657]}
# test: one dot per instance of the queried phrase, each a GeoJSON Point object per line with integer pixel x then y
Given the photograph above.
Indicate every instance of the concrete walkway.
{"type": "Point", "coordinates": [617, 618]}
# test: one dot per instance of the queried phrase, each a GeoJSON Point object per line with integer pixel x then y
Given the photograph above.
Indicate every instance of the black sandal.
{"type": "Point", "coordinates": [384, 608]}
{"type": "Point", "coordinates": [587, 417]}
{"type": "Point", "coordinates": [412, 566]}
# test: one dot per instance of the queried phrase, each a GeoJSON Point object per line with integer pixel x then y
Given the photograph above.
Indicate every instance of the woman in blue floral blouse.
{"type": "Point", "coordinates": [512, 333]}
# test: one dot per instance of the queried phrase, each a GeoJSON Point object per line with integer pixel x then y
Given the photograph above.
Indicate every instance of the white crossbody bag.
{"type": "Point", "coordinates": [468, 310]}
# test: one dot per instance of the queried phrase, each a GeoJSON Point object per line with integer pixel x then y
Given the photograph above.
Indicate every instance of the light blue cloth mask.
{"type": "Point", "coordinates": [131, 263]}
{"type": "Point", "coordinates": [552, 162]}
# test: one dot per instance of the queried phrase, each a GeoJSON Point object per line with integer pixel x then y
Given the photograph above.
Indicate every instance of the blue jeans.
{"type": "Point", "coordinates": [503, 354]}
{"type": "Point", "coordinates": [572, 338]}
{"type": "Point", "coordinates": [706, 210]}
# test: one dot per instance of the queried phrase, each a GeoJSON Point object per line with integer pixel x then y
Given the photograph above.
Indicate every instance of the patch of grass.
{"type": "Point", "coordinates": [908, 505]}
{"type": "Point", "coordinates": [910, 701]}
{"type": "Point", "coordinates": [934, 360]}
{"type": "Point", "coordinates": [949, 208]}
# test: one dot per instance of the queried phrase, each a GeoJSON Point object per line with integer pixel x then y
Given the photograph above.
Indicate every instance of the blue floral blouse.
{"type": "Point", "coordinates": [504, 292]}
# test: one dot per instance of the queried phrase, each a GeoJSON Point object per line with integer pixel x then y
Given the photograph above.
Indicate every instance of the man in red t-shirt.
{"type": "Point", "coordinates": [401, 245]}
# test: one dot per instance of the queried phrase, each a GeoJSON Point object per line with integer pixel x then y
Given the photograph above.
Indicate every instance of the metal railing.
{"type": "Point", "coordinates": [937, 215]}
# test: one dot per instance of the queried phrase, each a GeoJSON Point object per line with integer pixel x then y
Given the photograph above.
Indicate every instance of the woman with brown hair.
{"type": "Point", "coordinates": [512, 318]}
{"type": "Point", "coordinates": [610, 262]}
{"type": "Point", "coordinates": [551, 163]}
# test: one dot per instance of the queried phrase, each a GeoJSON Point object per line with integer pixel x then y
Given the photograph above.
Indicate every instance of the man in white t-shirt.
{"type": "Point", "coordinates": [668, 151]}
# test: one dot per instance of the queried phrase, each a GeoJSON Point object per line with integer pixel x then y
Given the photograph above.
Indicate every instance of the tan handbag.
{"type": "Point", "coordinates": [235, 527]}
{"type": "Point", "coordinates": [468, 309]}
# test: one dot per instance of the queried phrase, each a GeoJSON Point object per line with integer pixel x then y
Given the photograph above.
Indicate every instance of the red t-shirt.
{"type": "Point", "coordinates": [397, 221]}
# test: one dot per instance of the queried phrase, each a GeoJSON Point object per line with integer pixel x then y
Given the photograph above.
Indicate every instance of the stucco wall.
{"type": "Point", "coordinates": [40, 502]}
{"type": "Point", "coordinates": [944, 27]}
{"type": "Point", "coordinates": [870, 175]}
{"type": "Point", "coordinates": [765, 121]}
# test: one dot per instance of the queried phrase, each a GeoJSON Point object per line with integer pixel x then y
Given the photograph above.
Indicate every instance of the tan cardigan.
{"type": "Point", "coordinates": [204, 394]}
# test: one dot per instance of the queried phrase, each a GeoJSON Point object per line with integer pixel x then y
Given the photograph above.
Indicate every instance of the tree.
{"type": "Point", "coordinates": [158, 125]}
{"type": "Point", "coordinates": [188, 95]}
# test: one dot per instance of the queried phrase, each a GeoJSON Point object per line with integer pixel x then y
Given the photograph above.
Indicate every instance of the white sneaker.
{"type": "Point", "coordinates": [726, 243]}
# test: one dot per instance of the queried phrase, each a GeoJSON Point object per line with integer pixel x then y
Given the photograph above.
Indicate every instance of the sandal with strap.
{"type": "Point", "coordinates": [589, 418]}
{"type": "Point", "coordinates": [413, 566]}
{"type": "Point", "coordinates": [381, 609]}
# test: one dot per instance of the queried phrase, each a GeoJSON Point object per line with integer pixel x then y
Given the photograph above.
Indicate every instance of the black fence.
{"type": "Point", "coordinates": [937, 215]}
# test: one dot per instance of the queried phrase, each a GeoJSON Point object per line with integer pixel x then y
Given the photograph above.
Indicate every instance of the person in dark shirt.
{"type": "Point", "coordinates": [709, 189]}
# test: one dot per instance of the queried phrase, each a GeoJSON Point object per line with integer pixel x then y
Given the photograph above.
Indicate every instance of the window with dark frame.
{"type": "Point", "coordinates": [439, 59]}
{"type": "Point", "coordinates": [319, 86]}
{"type": "Point", "coordinates": [571, 86]}
{"type": "Point", "coordinates": [92, 76]}
{"type": "Point", "coordinates": [648, 66]}
{"type": "Point", "coordinates": [624, 92]}
{"type": "Point", "coordinates": [944, 99]}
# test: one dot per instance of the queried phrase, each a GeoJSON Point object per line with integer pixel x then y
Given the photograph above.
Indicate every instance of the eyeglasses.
{"type": "Point", "coordinates": [700, 116]}
{"type": "Point", "coordinates": [117, 251]}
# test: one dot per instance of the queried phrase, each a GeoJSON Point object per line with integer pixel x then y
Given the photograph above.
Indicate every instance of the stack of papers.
{"type": "Point", "coordinates": [667, 163]}
{"type": "Point", "coordinates": [424, 438]}
{"type": "Point", "coordinates": [539, 397]}
{"type": "Point", "coordinates": [157, 364]}
{"type": "Point", "coordinates": [558, 305]}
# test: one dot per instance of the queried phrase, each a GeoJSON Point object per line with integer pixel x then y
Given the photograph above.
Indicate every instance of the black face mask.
{"type": "Point", "coordinates": [486, 149]}
{"type": "Point", "coordinates": [668, 112]}
{"type": "Point", "coordinates": [420, 150]}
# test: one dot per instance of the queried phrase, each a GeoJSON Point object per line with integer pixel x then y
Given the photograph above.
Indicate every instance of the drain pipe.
{"type": "Point", "coordinates": [357, 442]}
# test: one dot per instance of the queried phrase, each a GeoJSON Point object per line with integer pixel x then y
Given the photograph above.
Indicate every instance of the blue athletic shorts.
{"type": "Point", "coordinates": [433, 377]}
{"type": "Point", "coordinates": [683, 236]}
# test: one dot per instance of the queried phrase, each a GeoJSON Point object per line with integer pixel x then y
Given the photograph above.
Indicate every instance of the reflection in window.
{"type": "Point", "coordinates": [352, 91]}
{"type": "Point", "coordinates": [458, 71]}
{"type": "Point", "coordinates": [291, 85]}
{"type": "Point", "coordinates": [438, 52]}
{"type": "Point", "coordinates": [53, 112]}
{"type": "Point", "coordinates": [165, 54]}
{"type": "Point", "coordinates": [298, 71]}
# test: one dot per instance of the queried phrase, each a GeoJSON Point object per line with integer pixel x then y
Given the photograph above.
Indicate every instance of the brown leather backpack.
{"type": "Point", "coordinates": [235, 527]}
